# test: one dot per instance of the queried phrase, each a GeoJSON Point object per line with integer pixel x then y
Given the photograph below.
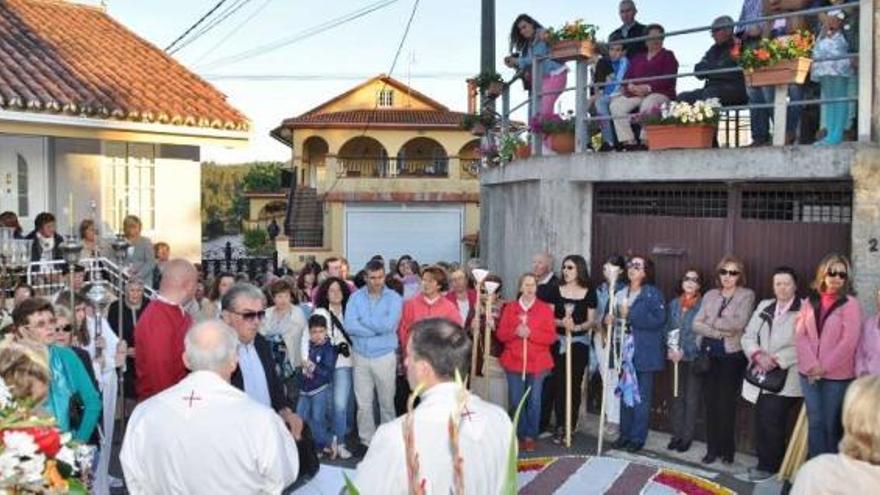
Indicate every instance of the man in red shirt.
{"type": "Point", "coordinates": [159, 333]}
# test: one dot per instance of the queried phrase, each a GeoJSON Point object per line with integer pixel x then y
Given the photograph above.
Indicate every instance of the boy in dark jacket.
{"type": "Point", "coordinates": [316, 392]}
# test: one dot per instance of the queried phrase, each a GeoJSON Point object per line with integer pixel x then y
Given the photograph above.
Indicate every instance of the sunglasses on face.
{"type": "Point", "coordinates": [833, 273]}
{"type": "Point", "coordinates": [692, 279]}
{"type": "Point", "coordinates": [66, 328]}
{"type": "Point", "coordinates": [635, 266]}
{"type": "Point", "coordinates": [568, 267]}
{"type": "Point", "coordinates": [732, 273]}
{"type": "Point", "coordinates": [251, 315]}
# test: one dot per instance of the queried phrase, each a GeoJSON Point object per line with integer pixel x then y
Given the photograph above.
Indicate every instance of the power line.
{"type": "Point", "coordinates": [197, 23]}
{"type": "Point", "coordinates": [325, 77]}
{"type": "Point", "coordinates": [232, 9]}
{"type": "Point", "coordinates": [234, 30]}
{"type": "Point", "coordinates": [326, 26]}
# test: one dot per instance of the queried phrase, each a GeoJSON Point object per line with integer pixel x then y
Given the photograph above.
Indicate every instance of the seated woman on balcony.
{"type": "Point", "coordinates": [644, 96]}
{"type": "Point", "coordinates": [527, 41]}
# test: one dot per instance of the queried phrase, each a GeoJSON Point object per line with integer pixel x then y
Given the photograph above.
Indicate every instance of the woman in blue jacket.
{"type": "Point", "coordinates": [642, 353]}
{"type": "Point", "coordinates": [528, 40]}
{"type": "Point", "coordinates": [682, 348]}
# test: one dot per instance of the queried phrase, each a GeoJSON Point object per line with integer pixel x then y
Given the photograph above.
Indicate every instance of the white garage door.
{"type": "Point", "coordinates": [427, 233]}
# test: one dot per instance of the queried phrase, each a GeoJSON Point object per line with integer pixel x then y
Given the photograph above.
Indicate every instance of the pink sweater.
{"type": "Point", "coordinates": [868, 354]}
{"type": "Point", "coordinates": [418, 309]}
{"type": "Point", "coordinates": [835, 349]}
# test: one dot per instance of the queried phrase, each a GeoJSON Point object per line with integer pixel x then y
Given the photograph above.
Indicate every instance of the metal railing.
{"type": "Point", "coordinates": [48, 278]}
{"type": "Point", "coordinates": [385, 168]}
{"type": "Point", "coordinates": [584, 85]}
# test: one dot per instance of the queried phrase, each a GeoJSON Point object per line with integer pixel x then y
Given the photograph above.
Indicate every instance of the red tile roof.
{"type": "Point", "coordinates": [63, 58]}
{"type": "Point", "coordinates": [378, 118]}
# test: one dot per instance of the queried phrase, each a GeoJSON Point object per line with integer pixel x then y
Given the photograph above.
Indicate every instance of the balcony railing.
{"type": "Point", "coordinates": [730, 130]}
{"type": "Point", "coordinates": [393, 168]}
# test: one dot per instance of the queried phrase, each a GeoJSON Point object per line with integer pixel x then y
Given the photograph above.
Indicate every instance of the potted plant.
{"type": "Point", "coordinates": [472, 122]}
{"type": "Point", "coordinates": [490, 83]}
{"type": "Point", "coordinates": [558, 129]}
{"type": "Point", "coordinates": [680, 124]}
{"type": "Point", "coordinates": [783, 60]}
{"type": "Point", "coordinates": [513, 147]}
{"type": "Point", "coordinates": [575, 40]}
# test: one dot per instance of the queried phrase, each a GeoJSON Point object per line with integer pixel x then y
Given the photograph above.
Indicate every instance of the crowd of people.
{"type": "Point", "coordinates": [635, 51]}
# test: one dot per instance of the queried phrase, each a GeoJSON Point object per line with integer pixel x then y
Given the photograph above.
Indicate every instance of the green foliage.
{"type": "Point", "coordinates": [485, 78]}
{"type": "Point", "coordinates": [263, 177]}
{"type": "Point", "coordinates": [256, 241]}
{"type": "Point", "coordinates": [223, 188]}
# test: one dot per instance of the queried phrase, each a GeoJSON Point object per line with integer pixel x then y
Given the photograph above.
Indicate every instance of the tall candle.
{"type": "Point", "coordinates": [70, 212]}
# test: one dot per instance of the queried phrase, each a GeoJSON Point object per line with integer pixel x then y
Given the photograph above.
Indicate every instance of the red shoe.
{"type": "Point", "coordinates": [529, 444]}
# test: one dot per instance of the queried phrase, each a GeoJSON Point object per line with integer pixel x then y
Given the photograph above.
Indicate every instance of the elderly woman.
{"type": "Point", "coordinates": [140, 251]}
{"type": "Point", "coordinates": [768, 343]}
{"type": "Point", "coordinates": [642, 306]}
{"type": "Point", "coordinates": [648, 95]}
{"type": "Point", "coordinates": [720, 323]}
{"type": "Point", "coordinates": [682, 349]}
{"type": "Point", "coordinates": [868, 354]}
{"type": "Point", "coordinates": [527, 332]}
{"type": "Point", "coordinates": [462, 295]}
{"type": "Point", "coordinates": [133, 307]}
{"type": "Point", "coordinates": [828, 331]}
{"type": "Point", "coordinates": [856, 469]}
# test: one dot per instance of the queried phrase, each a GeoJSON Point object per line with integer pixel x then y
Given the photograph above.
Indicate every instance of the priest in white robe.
{"type": "Point", "coordinates": [436, 348]}
{"type": "Point", "coordinates": [205, 436]}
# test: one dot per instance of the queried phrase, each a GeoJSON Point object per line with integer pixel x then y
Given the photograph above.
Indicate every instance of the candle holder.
{"type": "Point", "coordinates": [71, 250]}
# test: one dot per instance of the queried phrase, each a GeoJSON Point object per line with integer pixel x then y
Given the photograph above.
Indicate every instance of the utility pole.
{"type": "Point", "coordinates": [487, 43]}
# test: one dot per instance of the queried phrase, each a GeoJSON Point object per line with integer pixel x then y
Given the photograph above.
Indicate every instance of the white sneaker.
{"type": "Point", "coordinates": [115, 482]}
{"type": "Point", "coordinates": [342, 452]}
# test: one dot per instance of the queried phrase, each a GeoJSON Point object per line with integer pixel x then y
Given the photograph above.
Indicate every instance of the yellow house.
{"type": "Point", "coordinates": [380, 169]}
{"type": "Point", "coordinates": [91, 111]}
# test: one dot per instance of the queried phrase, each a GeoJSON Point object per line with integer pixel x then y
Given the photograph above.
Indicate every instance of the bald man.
{"type": "Point", "coordinates": [159, 334]}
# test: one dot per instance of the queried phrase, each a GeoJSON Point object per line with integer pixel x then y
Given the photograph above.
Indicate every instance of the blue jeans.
{"type": "Point", "coordinates": [530, 417]}
{"type": "Point", "coordinates": [824, 401]}
{"type": "Point", "coordinates": [760, 117]}
{"type": "Point", "coordinates": [604, 110]}
{"type": "Point", "coordinates": [342, 393]}
{"type": "Point", "coordinates": [634, 420]}
{"type": "Point", "coordinates": [313, 410]}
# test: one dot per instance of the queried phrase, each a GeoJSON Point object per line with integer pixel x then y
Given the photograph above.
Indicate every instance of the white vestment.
{"type": "Point", "coordinates": [485, 437]}
{"type": "Point", "coordinates": [105, 372]}
{"type": "Point", "coordinates": [204, 436]}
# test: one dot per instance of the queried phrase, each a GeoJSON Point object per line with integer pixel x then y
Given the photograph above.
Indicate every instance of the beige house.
{"type": "Point", "coordinates": [380, 169]}
{"type": "Point", "coordinates": [91, 111]}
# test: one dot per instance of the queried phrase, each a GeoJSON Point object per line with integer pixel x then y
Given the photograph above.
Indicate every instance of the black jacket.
{"type": "Point", "coordinates": [127, 335]}
{"type": "Point", "coordinates": [636, 31]}
{"type": "Point", "coordinates": [729, 87]}
{"type": "Point", "coordinates": [550, 291]}
{"type": "Point", "coordinates": [37, 249]}
{"type": "Point", "coordinates": [273, 381]}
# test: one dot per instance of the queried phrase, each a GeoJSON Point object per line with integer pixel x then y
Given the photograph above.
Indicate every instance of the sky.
{"type": "Point", "coordinates": [441, 50]}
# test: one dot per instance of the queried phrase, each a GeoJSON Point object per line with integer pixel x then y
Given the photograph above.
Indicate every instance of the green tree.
{"type": "Point", "coordinates": [223, 188]}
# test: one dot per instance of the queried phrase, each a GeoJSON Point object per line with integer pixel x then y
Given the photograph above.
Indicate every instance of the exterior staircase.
{"type": "Point", "coordinates": [304, 223]}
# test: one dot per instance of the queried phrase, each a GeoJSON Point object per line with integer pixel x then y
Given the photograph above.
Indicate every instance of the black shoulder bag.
{"type": "Point", "coordinates": [772, 381]}
{"type": "Point", "coordinates": [343, 348]}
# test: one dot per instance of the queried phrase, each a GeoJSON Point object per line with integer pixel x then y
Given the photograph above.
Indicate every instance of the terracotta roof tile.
{"type": "Point", "coordinates": [60, 57]}
{"type": "Point", "coordinates": [378, 118]}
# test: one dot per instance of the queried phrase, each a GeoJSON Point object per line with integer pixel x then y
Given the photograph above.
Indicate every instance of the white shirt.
{"type": "Point", "coordinates": [836, 474]}
{"type": "Point", "coordinates": [204, 436]}
{"type": "Point", "coordinates": [111, 341]}
{"type": "Point", "coordinates": [253, 376]}
{"type": "Point", "coordinates": [485, 437]}
{"type": "Point", "coordinates": [291, 327]}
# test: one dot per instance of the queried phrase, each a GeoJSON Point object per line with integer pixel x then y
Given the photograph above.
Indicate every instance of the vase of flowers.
{"type": "Point", "coordinates": [681, 125]}
{"type": "Point", "coordinates": [559, 130]}
{"type": "Point", "coordinates": [777, 61]}
{"type": "Point", "coordinates": [575, 40]}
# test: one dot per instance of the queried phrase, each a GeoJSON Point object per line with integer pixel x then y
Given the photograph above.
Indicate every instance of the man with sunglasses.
{"type": "Point", "coordinates": [160, 331]}
{"type": "Point", "coordinates": [630, 29]}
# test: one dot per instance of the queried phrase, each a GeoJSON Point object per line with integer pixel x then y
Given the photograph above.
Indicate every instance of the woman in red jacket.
{"type": "Point", "coordinates": [527, 331]}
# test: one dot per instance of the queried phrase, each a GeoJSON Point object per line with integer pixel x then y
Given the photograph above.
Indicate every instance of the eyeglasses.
{"type": "Point", "coordinates": [635, 266]}
{"type": "Point", "coordinates": [568, 267]}
{"type": "Point", "coordinates": [66, 328]}
{"type": "Point", "coordinates": [692, 279]}
{"type": "Point", "coordinates": [732, 273]}
{"type": "Point", "coordinates": [841, 275]}
{"type": "Point", "coordinates": [251, 315]}
{"type": "Point", "coordinates": [41, 325]}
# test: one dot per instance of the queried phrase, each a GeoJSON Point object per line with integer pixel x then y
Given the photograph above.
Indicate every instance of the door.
{"type": "Point", "coordinates": [428, 233]}
{"type": "Point", "coordinates": [23, 177]}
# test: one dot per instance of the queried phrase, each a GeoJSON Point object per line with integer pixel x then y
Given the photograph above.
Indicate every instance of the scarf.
{"type": "Point", "coordinates": [687, 302]}
{"type": "Point", "coordinates": [628, 385]}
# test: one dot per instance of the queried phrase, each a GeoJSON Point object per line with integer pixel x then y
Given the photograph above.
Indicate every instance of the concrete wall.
{"type": "Point", "coordinates": [546, 203]}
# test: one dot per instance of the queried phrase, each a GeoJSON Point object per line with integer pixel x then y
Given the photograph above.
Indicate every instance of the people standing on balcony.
{"type": "Point", "coordinates": [371, 319]}
{"type": "Point", "coordinates": [682, 311]}
{"type": "Point", "coordinates": [832, 75]}
{"type": "Point", "coordinates": [642, 305]}
{"type": "Point", "coordinates": [615, 67]}
{"type": "Point", "coordinates": [868, 354]}
{"type": "Point", "coordinates": [728, 87]}
{"type": "Point", "coordinates": [723, 316]}
{"type": "Point", "coordinates": [88, 235]}
{"type": "Point", "coordinates": [644, 96]}
{"type": "Point", "coordinates": [828, 332]}
{"type": "Point", "coordinates": [630, 29]}
{"type": "Point", "coordinates": [46, 240]}
{"type": "Point", "coordinates": [768, 343]}
{"type": "Point", "coordinates": [574, 312]}
{"type": "Point", "coordinates": [526, 332]}
{"type": "Point", "coordinates": [528, 41]}
{"type": "Point", "coordinates": [141, 258]}
{"type": "Point", "coordinates": [211, 305]}
{"type": "Point", "coordinates": [600, 340]}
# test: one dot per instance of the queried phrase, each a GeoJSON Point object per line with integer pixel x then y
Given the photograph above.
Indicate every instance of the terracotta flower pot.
{"type": "Point", "coordinates": [523, 151]}
{"type": "Point", "coordinates": [495, 89]}
{"type": "Point", "coordinates": [793, 71]}
{"type": "Point", "coordinates": [664, 137]}
{"type": "Point", "coordinates": [572, 50]}
{"type": "Point", "coordinates": [562, 143]}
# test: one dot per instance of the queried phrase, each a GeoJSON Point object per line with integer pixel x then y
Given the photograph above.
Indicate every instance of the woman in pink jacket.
{"type": "Point", "coordinates": [868, 355]}
{"type": "Point", "coordinates": [828, 330]}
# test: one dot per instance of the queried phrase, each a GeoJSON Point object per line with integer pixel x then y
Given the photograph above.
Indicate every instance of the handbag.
{"type": "Point", "coordinates": [772, 381]}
